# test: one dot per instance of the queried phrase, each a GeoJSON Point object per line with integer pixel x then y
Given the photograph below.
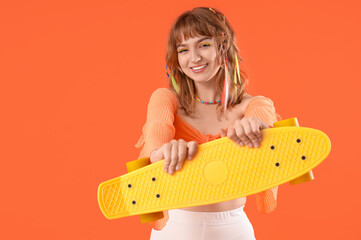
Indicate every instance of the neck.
{"type": "Point", "coordinates": [207, 91]}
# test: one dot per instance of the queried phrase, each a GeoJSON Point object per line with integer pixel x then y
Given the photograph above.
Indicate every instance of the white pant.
{"type": "Point", "coordinates": [188, 225]}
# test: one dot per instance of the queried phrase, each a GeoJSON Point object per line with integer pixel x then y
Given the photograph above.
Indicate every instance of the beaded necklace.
{"type": "Point", "coordinates": [205, 101]}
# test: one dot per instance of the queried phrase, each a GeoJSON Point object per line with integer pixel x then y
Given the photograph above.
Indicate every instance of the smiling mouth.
{"type": "Point", "coordinates": [199, 67]}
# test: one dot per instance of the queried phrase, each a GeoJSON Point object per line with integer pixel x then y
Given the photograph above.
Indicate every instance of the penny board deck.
{"type": "Point", "coordinates": [220, 171]}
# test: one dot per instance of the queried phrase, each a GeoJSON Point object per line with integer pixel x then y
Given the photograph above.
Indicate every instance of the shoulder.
{"type": "Point", "coordinates": [249, 101]}
{"type": "Point", "coordinates": [163, 92]}
{"type": "Point", "coordinates": [163, 96]}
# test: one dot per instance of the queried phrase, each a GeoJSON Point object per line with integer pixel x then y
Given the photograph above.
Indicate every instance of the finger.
{"type": "Point", "coordinates": [264, 125]}
{"type": "Point", "coordinates": [240, 132]}
{"type": "Point", "coordinates": [156, 155]}
{"type": "Point", "coordinates": [182, 154]}
{"type": "Point", "coordinates": [231, 134]}
{"type": "Point", "coordinates": [223, 132]}
{"type": "Point", "coordinates": [249, 132]}
{"type": "Point", "coordinates": [192, 149]}
{"type": "Point", "coordinates": [255, 126]}
{"type": "Point", "coordinates": [166, 149]}
{"type": "Point", "coordinates": [174, 158]}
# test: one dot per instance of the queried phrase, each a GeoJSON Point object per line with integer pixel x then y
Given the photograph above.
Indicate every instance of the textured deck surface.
{"type": "Point", "coordinates": [220, 171]}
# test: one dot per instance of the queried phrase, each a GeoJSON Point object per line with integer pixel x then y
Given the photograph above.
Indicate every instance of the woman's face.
{"type": "Point", "coordinates": [197, 58]}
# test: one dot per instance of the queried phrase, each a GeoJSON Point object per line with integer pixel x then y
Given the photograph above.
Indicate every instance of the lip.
{"type": "Point", "coordinates": [200, 70]}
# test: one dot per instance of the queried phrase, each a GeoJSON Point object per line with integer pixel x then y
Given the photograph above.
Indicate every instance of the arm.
{"type": "Point", "coordinates": [263, 109]}
{"type": "Point", "coordinates": [157, 130]}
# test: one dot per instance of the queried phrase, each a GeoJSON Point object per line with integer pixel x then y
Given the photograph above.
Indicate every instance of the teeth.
{"type": "Point", "coordinates": [196, 68]}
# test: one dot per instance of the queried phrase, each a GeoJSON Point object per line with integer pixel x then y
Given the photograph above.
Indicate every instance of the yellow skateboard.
{"type": "Point", "coordinates": [220, 171]}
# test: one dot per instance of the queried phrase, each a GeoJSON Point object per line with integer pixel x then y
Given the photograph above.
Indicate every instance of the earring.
{"type": "Point", "coordinates": [225, 91]}
{"type": "Point", "coordinates": [236, 72]}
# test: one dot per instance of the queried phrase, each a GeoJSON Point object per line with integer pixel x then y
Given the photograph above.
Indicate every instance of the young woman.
{"type": "Point", "coordinates": [206, 100]}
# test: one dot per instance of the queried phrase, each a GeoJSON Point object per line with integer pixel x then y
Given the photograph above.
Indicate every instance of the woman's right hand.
{"type": "Point", "coordinates": [174, 153]}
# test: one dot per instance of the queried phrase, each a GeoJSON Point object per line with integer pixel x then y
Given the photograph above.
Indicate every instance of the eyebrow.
{"type": "Point", "coordinates": [200, 40]}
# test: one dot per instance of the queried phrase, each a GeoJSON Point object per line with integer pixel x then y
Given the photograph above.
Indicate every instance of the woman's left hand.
{"type": "Point", "coordinates": [246, 131]}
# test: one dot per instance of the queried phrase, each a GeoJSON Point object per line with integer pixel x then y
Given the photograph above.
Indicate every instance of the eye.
{"type": "Point", "coordinates": [182, 50]}
{"type": "Point", "coordinates": [206, 44]}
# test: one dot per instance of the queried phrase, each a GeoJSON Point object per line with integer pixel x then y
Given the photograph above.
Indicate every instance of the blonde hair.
{"type": "Point", "coordinates": [204, 22]}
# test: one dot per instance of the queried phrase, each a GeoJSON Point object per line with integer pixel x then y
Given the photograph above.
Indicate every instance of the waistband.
{"type": "Point", "coordinates": [184, 216]}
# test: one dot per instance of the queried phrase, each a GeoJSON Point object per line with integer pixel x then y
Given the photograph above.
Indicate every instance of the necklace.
{"type": "Point", "coordinates": [205, 101]}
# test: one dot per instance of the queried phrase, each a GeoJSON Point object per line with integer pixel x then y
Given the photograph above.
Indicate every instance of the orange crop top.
{"type": "Point", "coordinates": [163, 124]}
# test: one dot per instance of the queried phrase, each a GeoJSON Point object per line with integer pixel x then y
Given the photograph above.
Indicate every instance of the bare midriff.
{"type": "Point", "coordinates": [218, 207]}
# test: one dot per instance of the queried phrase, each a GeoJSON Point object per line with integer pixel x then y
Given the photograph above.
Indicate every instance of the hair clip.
{"type": "Point", "coordinates": [212, 10]}
{"type": "Point", "coordinates": [220, 17]}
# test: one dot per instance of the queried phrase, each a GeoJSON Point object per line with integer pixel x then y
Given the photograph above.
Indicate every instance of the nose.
{"type": "Point", "coordinates": [196, 57]}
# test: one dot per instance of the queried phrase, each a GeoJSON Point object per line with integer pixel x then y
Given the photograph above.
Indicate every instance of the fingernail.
{"type": "Point", "coordinates": [256, 145]}
{"type": "Point", "coordinates": [189, 157]}
{"type": "Point", "coordinates": [165, 170]}
{"type": "Point", "coordinates": [171, 172]}
{"type": "Point", "coordinates": [250, 145]}
{"type": "Point", "coordinates": [177, 168]}
{"type": "Point", "coordinates": [241, 144]}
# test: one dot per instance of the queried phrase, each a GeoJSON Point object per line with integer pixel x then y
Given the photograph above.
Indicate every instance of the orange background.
{"type": "Point", "coordinates": [76, 77]}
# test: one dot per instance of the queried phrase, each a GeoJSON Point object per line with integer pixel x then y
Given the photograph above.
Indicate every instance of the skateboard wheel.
{"type": "Point", "coordinates": [304, 178]}
{"type": "Point", "coordinates": [290, 122]}
{"type": "Point", "coordinates": [136, 164]}
{"type": "Point", "coordinates": [150, 217]}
